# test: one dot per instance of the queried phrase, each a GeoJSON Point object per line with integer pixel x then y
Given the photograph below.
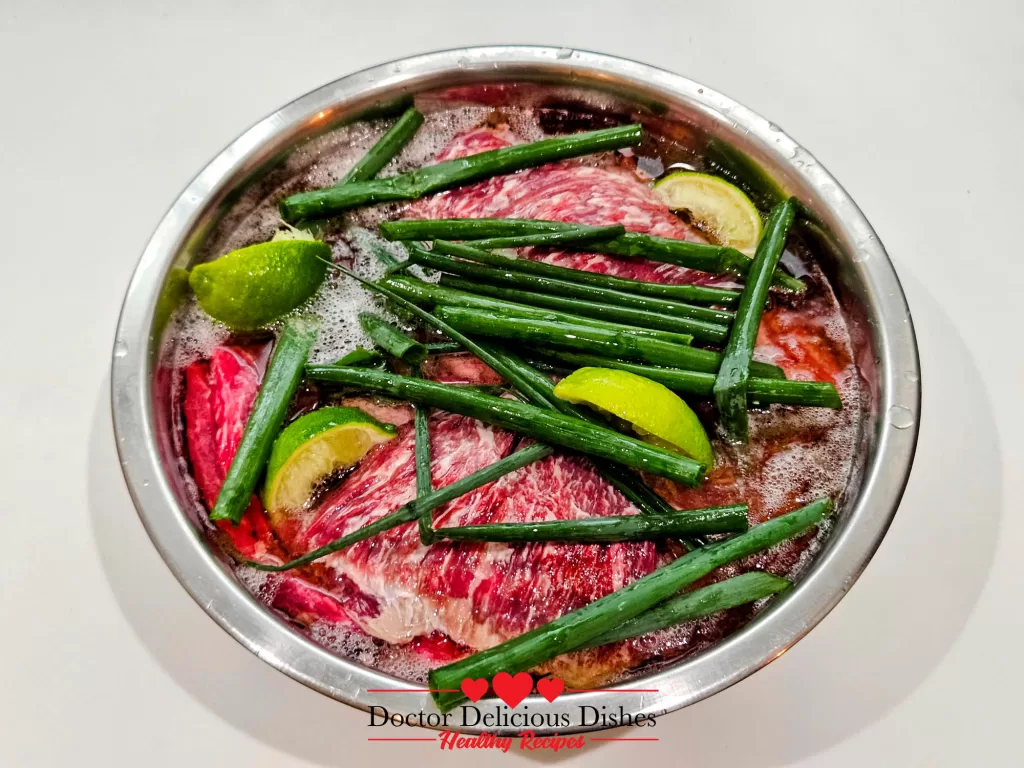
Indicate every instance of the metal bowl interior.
{"type": "Point", "coordinates": [855, 261]}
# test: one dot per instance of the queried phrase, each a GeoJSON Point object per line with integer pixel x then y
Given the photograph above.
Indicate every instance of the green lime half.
{"type": "Point", "coordinates": [313, 447]}
{"type": "Point", "coordinates": [718, 207]}
{"type": "Point", "coordinates": [654, 411]}
{"type": "Point", "coordinates": [253, 286]}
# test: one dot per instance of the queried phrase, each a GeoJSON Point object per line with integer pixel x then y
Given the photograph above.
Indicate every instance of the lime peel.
{"type": "Point", "coordinates": [656, 413]}
{"type": "Point", "coordinates": [312, 448]}
{"type": "Point", "coordinates": [720, 208]}
{"type": "Point", "coordinates": [253, 286]}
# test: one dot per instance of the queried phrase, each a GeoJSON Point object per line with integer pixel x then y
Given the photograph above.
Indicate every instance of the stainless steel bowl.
{"type": "Point", "coordinates": [862, 276]}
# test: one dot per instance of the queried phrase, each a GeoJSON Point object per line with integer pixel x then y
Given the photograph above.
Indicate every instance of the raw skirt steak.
{"type": "Point", "coordinates": [219, 394]}
{"type": "Point", "coordinates": [809, 343]}
{"type": "Point", "coordinates": [568, 191]}
{"type": "Point", "coordinates": [448, 600]}
{"type": "Point", "coordinates": [391, 586]}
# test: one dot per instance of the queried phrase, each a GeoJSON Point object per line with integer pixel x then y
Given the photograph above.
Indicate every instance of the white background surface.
{"type": "Point", "coordinates": [109, 108]}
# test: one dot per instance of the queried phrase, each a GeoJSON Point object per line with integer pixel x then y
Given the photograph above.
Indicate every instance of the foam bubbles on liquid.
{"type": "Point", "coordinates": [401, 661]}
{"type": "Point", "coordinates": [193, 335]}
{"type": "Point", "coordinates": [819, 460]}
{"type": "Point", "coordinates": [261, 584]}
{"type": "Point", "coordinates": [338, 304]}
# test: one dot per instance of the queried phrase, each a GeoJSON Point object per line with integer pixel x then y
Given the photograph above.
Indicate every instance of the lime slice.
{"type": "Point", "coordinates": [313, 447]}
{"type": "Point", "coordinates": [654, 411]}
{"type": "Point", "coordinates": [253, 286]}
{"type": "Point", "coordinates": [716, 206]}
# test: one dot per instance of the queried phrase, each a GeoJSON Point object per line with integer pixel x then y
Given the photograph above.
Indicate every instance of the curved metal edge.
{"type": "Point", "coordinates": [251, 624]}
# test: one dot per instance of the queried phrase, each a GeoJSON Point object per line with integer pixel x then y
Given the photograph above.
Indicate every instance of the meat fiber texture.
{"type": "Point", "coordinates": [810, 343]}
{"type": "Point", "coordinates": [570, 191]}
{"type": "Point", "coordinates": [391, 586]}
{"type": "Point", "coordinates": [219, 393]}
{"type": "Point", "coordinates": [448, 600]}
{"type": "Point", "coordinates": [478, 595]}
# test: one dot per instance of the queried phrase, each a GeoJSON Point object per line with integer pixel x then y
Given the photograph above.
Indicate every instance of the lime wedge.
{"type": "Point", "coordinates": [716, 206]}
{"type": "Point", "coordinates": [313, 447]}
{"type": "Point", "coordinates": [253, 286]}
{"type": "Point", "coordinates": [654, 412]}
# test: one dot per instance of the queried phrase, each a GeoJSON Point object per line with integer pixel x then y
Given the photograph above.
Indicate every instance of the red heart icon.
{"type": "Point", "coordinates": [474, 689]}
{"type": "Point", "coordinates": [512, 690]}
{"type": "Point", "coordinates": [550, 688]}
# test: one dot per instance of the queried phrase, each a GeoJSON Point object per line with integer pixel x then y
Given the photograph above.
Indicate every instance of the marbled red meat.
{"type": "Point", "coordinates": [448, 600]}
{"type": "Point", "coordinates": [219, 394]}
{"type": "Point", "coordinates": [568, 191]}
{"type": "Point", "coordinates": [391, 586]}
{"type": "Point", "coordinates": [459, 369]}
{"type": "Point", "coordinates": [477, 595]}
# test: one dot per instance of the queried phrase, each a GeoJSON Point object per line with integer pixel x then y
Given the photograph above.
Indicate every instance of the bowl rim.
{"type": "Point", "coordinates": [762, 640]}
